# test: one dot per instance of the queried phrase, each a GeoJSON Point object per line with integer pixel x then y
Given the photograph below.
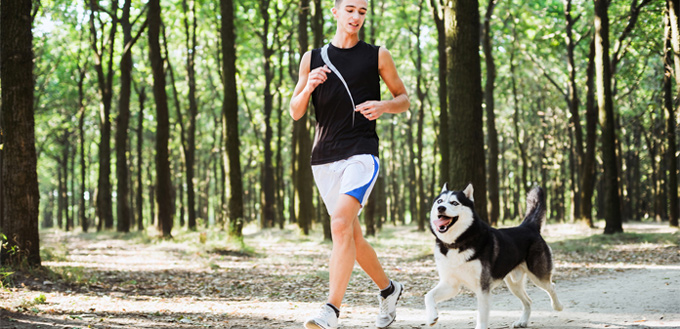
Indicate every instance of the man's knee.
{"type": "Point", "coordinates": [342, 228]}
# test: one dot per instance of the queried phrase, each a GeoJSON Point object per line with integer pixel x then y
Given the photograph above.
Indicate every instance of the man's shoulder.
{"type": "Point", "coordinates": [370, 45]}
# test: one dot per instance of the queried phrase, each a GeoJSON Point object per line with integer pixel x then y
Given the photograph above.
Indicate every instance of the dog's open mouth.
{"type": "Point", "coordinates": [443, 223]}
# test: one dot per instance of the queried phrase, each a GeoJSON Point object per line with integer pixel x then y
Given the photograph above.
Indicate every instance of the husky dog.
{"type": "Point", "coordinates": [472, 254]}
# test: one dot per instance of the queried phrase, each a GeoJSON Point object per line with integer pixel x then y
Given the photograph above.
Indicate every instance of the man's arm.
{"type": "Point", "coordinates": [307, 82]}
{"type": "Point", "coordinates": [399, 102]}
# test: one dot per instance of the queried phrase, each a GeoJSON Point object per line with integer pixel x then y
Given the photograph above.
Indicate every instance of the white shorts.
{"type": "Point", "coordinates": [354, 176]}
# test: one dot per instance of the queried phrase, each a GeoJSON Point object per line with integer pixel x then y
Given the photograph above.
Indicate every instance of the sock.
{"type": "Point", "coordinates": [337, 310]}
{"type": "Point", "coordinates": [387, 291]}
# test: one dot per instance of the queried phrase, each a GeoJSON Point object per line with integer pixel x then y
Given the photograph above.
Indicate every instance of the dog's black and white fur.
{"type": "Point", "coordinates": [469, 253]}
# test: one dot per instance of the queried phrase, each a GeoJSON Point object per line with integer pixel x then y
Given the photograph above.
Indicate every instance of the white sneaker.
{"type": "Point", "coordinates": [388, 306]}
{"type": "Point", "coordinates": [326, 319]}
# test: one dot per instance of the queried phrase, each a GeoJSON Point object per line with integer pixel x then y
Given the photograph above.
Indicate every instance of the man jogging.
{"type": "Point", "coordinates": [343, 81]}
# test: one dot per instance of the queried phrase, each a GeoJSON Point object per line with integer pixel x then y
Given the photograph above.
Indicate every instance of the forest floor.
{"type": "Point", "coordinates": [197, 280]}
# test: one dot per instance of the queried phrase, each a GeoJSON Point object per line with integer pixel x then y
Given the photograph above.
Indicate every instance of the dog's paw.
{"type": "Point", "coordinates": [557, 307]}
{"type": "Point", "coordinates": [432, 322]}
{"type": "Point", "coordinates": [519, 324]}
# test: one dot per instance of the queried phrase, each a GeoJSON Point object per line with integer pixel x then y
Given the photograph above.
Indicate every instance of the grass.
{"type": "Point", "coordinates": [72, 274]}
{"type": "Point", "coordinates": [595, 243]}
{"type": "Point", "coordinates": [5, 277]}
{"type": "Point", "coordinates": [29, 305]}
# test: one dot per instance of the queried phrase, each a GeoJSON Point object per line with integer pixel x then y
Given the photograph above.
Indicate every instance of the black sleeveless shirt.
{"type": "Point", "coordinates": [337, 137]}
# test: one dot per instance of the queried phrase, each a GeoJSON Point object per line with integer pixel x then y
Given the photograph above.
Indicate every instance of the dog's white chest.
{"type": "Point", "coordinates": [455, 266]}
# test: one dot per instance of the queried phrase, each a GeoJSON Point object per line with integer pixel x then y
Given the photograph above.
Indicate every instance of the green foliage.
{"type": "Point", "coordinates": [527, 34]}
{"type": "Point", "coordinates": [13, 255]}
{"type": "Point", "coordinates": [5, 277]}
{"type": "Point", "coordinates": [53, 254]}
{"type": "Point", "coordinates": [41, 299]}
{"type": "Point", "coordinates": [29, 305]}
{"type": "Point", "coordinates": [72, 274]}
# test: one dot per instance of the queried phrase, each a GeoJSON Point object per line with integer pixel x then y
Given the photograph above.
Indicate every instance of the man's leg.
{"type": "Point", "coordinates": [367, 258]}
{"type": "Point", "coordinates": [344, 250]}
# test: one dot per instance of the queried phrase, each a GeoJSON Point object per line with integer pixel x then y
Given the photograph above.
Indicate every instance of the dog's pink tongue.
{"type": "Point", "coordinates": [442, 221]}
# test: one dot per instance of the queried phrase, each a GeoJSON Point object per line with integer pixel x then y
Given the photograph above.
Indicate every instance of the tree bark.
{"type": "Point", "coordinates": [190, 148]}
{"type": "Point", "coordinates": [230, 119]}
{"type": "Point", "coordinates": [19, 218]}
{"type": "Point", "coordinates": [465, 99]}
{"type": "Point", "coordinates": [163, 175]}
{"type": "Point", "coordinates": [420, 121]}
{"type": "Point", "coordinates": [84, 221]}
{"type": "Point", "coordinates": [122, 123]}
{"type": "Point", "coordinates": [105, 82]}
{"type": "Point", "coordinates": [588, 177]}
{"type": "Point", "coordinates": [612, 201]}
{"type": "Point", "coordinates": [268, 195]}
{"type": "Point", "coordinates": [573, 104]}
{"type": "Point", "coordinates": [492, 134]}
{"type": "Point", "coordinates": [63, 191]}
{"type": "Point", "coordinates": [411, 175]}
{"type": "Point", "coordinates": [673, 7]}
{"type": "Point", "coordinates": [302, 146]}
{"type": "Point", "coordinates": [438, 15]}
{"type": "Point", "coordinates": [140, 142]}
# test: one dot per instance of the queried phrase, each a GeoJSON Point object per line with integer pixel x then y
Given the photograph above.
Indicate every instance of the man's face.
{"type": "Point", "coordinates": [350, 14]}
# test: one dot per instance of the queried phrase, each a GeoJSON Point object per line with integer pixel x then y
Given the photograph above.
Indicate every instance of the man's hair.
{"type": "Point", "coordinates": [337, 3]}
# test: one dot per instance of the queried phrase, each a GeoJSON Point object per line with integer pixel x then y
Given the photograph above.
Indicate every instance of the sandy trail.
{"type": "Point", "coordinates": [174, 285]}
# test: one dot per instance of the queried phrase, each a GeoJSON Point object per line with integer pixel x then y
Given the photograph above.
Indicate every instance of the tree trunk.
{"type": "Point", "coordinates": [673, 7]}
{"type": "Point", "coordinates": [84, 222]}
{"type": "Point", "coordinates": [182, 134]}
{"type": "Point", "coordinates": [654, 148]}
{"type": "Point", "coordinates": [573, 104]}
{"type": "Point", "coordinates": [438, 14]}
{"type": "Point", "coordinates": [163, 175]}
{"type": "Point", "coordinates": [140, 142]}
{"type": "Point", "coordinates": [153, 219]}
{"type": "Point", "coordinates": [19, 218]}
{"type": "Point", "coordinates": [588, 177]}
{"type": "Point", "coordinates": [105, 81]}
{"type": "Point", "coordinates": [419, 191]}
{"type": "Point", "coordinates": [268, 198]}
{"type": "Point", "coordinates": [2, 133]}
{"type": "Point", "coordinates": [394, 182]}
{"type": "Point", "coordinates": [122, 124]}
{"type": "Point", "coordinates": [60, 196]}
{"type": "Point", "coordinates": [670, 118]}
{"type": "Point", "coordinates": [612, 201]}
{"type": "Point", "coordinates": [410, 169]}
{"type": "Point", "coordinates": [190, 148]}
{"type": "Point", "coordinates": [465, 99]}
{"type": "Point", "coordinates": [381, 200]}
{"type": "Point", "coordinates": [492, 134]}
{"type": "Point", "coordinates": [302, 145]}
{"type": "Point", "coordinates": [230, 119]}
{"type": "Point", "coordinates": [64, 202]}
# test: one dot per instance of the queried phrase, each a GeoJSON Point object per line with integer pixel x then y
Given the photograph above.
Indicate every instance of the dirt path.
{"type": "Point", "coordinates": [116, 283]}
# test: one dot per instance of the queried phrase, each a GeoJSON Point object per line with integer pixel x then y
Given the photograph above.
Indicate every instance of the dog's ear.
{"type": "Point", "coordinates": [445, 188]}
{"type": "Point", "coordinates": [469, 192]}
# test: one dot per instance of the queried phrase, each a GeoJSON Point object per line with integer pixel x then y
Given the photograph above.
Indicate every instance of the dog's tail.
{"type": "Point", "coordinates": [536, 209]}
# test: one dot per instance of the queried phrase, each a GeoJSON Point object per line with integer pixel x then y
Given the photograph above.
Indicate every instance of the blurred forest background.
{"type": "Point", "coordinates": [235, 157]}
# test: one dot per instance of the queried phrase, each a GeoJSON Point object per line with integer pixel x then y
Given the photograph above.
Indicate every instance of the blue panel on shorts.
{"type": "Point", "coordinates": [360, 192]}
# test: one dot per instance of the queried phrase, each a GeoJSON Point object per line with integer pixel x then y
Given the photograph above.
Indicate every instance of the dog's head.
{"type": "Point", "coordinates": [452, 213]}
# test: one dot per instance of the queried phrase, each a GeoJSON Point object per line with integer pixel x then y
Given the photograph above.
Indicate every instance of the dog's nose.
{"type": "Point", "coordinates": [441, 209]}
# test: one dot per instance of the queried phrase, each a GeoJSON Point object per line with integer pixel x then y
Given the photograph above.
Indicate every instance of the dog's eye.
{"type": "Point", "coordinates": [455, 203]}
{"type": "Point", "coordinates": [439, 201]}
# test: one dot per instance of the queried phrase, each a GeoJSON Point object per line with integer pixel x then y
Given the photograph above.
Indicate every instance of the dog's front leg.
{"type": "Point", "coordinates": [483, 309]}
{"type": "Point", "coordinates": [441, 292]}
